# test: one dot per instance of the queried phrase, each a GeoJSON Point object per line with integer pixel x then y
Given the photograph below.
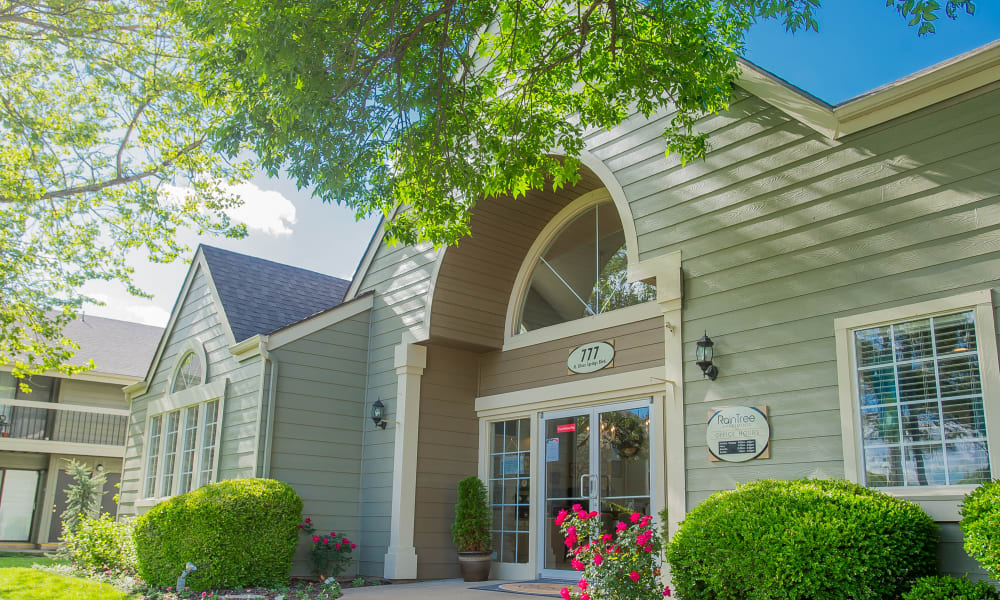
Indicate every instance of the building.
{"type": "Point", "coordinates": [83, 417]}
{"type": "Point", "coordinates": [845, 261]}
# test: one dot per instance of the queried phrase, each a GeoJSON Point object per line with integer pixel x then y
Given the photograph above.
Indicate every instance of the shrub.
{"type": "Point", "coordinates": [328, 554]}
{"type": "Point", "coordinates": [83, 496]}
{"type": "Point", "coordinates": [238, 533]}
{"type": "Point", "coordinates": [981, 525]}
{"type": "Point", "coordinates": [952, 588]}
{"type": "Point", "coordinates": [103, 543]}
{"type": "Point", "coordinates": [471, 531]}
{"type": "Point", "coordinates": [815, 539]}
{"type": "Point", "coordinates": [623, 564]}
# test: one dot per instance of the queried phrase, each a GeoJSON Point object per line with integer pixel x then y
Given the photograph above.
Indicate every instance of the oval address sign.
{"type": "Point", "coordinates": [591, 357]}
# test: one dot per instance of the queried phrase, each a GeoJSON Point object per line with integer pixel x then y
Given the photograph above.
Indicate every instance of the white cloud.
{"type": "Point", "coordinates": [117, 306]}
{"type": "Point", "coordinates": [264, 211]}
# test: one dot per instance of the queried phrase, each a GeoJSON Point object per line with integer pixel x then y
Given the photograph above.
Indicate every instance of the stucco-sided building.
{"type": "Point", "coordinates": [845, 261]}
{"type": "Point", "coordinates": [83, 417]}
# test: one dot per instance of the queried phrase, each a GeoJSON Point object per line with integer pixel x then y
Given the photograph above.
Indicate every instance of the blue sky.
{"type": "Point", "coordinates": [860, 45]}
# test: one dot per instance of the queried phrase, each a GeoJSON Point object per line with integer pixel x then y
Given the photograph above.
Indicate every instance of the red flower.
{"type": "Point", "coordinates": [598, 559]}
{"type": "Point", "coordinates": [666, 591]}
{"type": "Point", "coordinates": [634, 517]}
{"type": "Point", "coordinates": [621, 526]}
{"type": "Point", "coordinates": [582, 515]}
{"type": "Point", "coordinates": [333, 534]}
{"type": "Point", "coordinates": [577, 508]}
{"type": "Point", "coordinates": [583, 584]}
{"type": "Point", "coordinates": [634, 576]}
{"type": "Point", "coordinates": [301, 526]}
{"type": "Point", "coordinates": [561, 517]}
{"type": "Point", "coordinates": [606, 538]}
{"type": "Point", "coordinates": [564, 593]}
{"type": "Point", "coordinates": [593, 514]}
{"type": "Point", "coordinates": [326, 540]}
{"type": "Point", "coordinates": [648, 548]}
{"type": "Point", "coordinates": [577, 565]}
{"type": "Point", "coordinates": [344, 541]}
{"type": "Point", "coordinates": [315, 538]}
{"type": "Point", "coordinates": [337, 546]}
{"type": "Point", "coordinates": [308, 520]}
{"type": "Point", "coordinates": [353, 546]}
{"type": "Point", "coordinates": [585, 596]}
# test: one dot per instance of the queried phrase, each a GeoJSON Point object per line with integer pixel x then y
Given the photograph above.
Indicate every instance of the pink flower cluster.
{"type": "Point", "coordinates": [624, 563]}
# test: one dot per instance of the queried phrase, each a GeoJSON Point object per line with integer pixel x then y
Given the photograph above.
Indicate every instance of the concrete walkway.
{"type": "Point", "coordinates": [444, 589]}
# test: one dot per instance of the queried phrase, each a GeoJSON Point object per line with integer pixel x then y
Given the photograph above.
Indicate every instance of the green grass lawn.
{"type": "Point", "coordinates": [19, 583]}
{"type": "Point", "coordinates": [24, 559]}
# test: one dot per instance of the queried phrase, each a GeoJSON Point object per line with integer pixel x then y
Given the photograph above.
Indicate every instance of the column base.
{"type": "Point", "coordinates": [401, 563]}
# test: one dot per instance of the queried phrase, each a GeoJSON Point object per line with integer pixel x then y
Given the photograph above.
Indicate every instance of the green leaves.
{"type": "Point", "coordinates": [925, 12]}
{"type": "Point", "coordinates": [99, 118]}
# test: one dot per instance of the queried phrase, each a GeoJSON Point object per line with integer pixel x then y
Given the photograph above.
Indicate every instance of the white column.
{"type": "Point", "coordinates": [669, 291]}
{"type": "Point", "coordinates": [401, 558]}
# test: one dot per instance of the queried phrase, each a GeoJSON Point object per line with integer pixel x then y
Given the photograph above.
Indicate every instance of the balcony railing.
{"type": "Point", "coordinates": [57, 422]}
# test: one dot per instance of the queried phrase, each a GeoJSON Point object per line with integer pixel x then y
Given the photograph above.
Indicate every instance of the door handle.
{"type": "Point", "coordinates": [585, 476]}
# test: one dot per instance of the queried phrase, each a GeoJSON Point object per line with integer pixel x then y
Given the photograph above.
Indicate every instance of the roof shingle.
{"type": "Point", "coordinates": [261, 296]}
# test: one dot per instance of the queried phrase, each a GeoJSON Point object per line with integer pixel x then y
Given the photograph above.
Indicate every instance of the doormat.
{"type": "Point", "coordinates": [539, 587]}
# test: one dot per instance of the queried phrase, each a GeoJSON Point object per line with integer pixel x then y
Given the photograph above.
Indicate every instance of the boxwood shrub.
{"type": "Point", "coordinates": [103, 543]}
{"type": "Point", "coordinates": [950, 588]}
{"type": "Point", "coordinates": [804, 539]}
{"type": "Point", "coordinates": [238, 533]}
{"type": "Point", "coordinates": [981, 525]}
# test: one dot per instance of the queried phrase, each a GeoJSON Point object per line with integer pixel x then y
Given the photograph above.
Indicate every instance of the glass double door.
{"type": "Point", "coordinates": [599, 458]}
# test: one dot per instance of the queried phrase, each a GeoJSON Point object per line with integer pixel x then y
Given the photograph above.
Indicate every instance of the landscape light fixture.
{"type": "Point", "coordinates": [705, 354]}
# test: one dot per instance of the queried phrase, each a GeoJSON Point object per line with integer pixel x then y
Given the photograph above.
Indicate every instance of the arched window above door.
{"type": "Point", "coordinates": [581, 272]}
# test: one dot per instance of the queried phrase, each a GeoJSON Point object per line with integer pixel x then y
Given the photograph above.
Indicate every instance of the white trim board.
{"type": "Point", "coordinates": [643, 381]}
{"type": "Point", "coordinates": [939, 82]}
{"type": "Point", "coordinates": [54, 447]}
{"type": "Point", "coordinates": [339, 313]}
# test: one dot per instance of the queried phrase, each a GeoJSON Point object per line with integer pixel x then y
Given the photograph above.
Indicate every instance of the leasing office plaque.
{"type": "Point", "coordinates": [738, 433]}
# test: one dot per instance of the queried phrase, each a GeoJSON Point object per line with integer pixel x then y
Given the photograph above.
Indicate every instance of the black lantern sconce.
{"type": "Point", "coordinates": [705, 354]}
{"type": "Point", "coordinates": [378, 412]}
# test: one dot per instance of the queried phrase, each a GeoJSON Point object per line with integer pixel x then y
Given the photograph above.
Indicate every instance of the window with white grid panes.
{"type": "Point", "coordinates": [920, 396]}
{"type": "Point", "coordinates": [510, 489]}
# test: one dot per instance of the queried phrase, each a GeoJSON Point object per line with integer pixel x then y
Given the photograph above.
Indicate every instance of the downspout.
{"type": "Point", "coordinates": [271, 396]}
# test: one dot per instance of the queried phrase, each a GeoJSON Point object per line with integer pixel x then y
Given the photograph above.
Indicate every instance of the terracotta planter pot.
{"type": "Point", "coordinates": [475, 565]}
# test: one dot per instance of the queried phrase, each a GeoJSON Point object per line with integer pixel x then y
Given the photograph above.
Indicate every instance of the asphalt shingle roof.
{"type": "Point", "coordinates": [116, 347]}
{"type": "Point", "coordinates": [261, 296]}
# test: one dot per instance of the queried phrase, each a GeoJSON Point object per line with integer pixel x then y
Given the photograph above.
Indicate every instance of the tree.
{"type": "Point", "coordinates": [101, 121]}
{"type": "Point", "coordinates": [83, 496]}
{"type": "Point", "coordinates": [431, 104]}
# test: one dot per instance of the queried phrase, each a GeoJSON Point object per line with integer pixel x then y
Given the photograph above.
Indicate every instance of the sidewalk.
{"type": "Point", "coordinates": [445, 589]}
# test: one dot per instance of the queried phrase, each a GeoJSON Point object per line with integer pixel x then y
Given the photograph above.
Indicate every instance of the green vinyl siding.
{"type": "Point", "coordinates": [782, 230]}
{"type": "Point", "coordinates": [319, 418]}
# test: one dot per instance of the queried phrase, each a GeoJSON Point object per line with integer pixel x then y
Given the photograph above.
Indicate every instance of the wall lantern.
{"type": "Point", "coordinates": [378, 411]}
{"type": "Point", "coordinates": [705, 354]}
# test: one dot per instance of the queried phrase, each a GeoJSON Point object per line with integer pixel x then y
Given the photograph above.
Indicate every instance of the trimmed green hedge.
{"type": "Point", "coordinates": [804, 539]}
{"type": "Point", "coordinates": [239, 533]}
{"type": "Point", "coordinates": [950, 588]}
{"type": "Point", "coordinates": [981, 525]}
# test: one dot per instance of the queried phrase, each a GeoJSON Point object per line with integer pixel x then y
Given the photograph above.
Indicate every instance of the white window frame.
{"type": "Point", "coordinates": [199, 397]}
{"type": "Point", "coordinates": [522, 283]}
{"type": "Point", "coordinates": [940, 501]}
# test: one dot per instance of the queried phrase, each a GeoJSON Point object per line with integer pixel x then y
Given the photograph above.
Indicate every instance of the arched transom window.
{"type": "Point", "coordinates": [189, 373]}
{"type": "Point", "coordinates": [581, 273]}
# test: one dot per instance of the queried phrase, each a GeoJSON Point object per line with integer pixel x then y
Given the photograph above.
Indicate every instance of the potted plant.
{"type": "Point", "coordinates": [471, 531]}
{"type": "Point", "coordinates": [4, 426]}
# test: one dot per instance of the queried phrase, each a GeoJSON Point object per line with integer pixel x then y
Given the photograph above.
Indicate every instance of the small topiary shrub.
{"type": "Point", "coordinates": [104, 544]}
{"type": "Point", "coordinates": [238, 533]}
{"type": "Point", "coordinates": [950, 588]}
{"type": "Point", "coordinates": [804, 539]}
{"type": "Point", "coordinates": [471, 531]}
{"type": "Point", "coordinates": [981, 525]}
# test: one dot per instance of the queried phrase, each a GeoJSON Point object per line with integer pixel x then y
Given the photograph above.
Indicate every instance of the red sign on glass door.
{"type": "Point", "coordinates": [565, 428]}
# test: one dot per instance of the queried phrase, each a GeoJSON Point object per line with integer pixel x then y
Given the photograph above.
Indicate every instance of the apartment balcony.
{"type": "Point", "coordinates": [31, 426]}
